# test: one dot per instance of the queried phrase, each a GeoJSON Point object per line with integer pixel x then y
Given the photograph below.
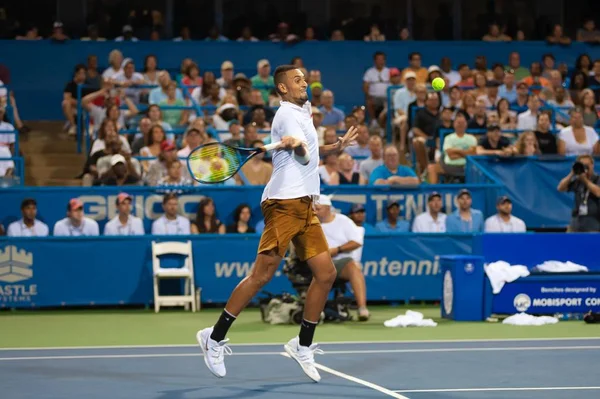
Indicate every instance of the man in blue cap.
{"type": "Point", "coordinates": [504, 221]}
{"type": "Point", "coordinates": [432, 220]}
{"type": "Point", "coordinates": [464, 219]}
{"type": "Point", "coordinates": [358, 214]}
{"type": "Point", "coordinates": [392, 224]}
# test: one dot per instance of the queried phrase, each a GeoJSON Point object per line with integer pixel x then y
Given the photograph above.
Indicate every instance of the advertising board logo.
{"type": "Point", "coordinates": [469, 268]}
{"type": "Point", "coordinates": [15, 265]}
{"type": "Point", "coordinates": [448, 292]}
{"type": "Point", "coordinates": [522, 302]}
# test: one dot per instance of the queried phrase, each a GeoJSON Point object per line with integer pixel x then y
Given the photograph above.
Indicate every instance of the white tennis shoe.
{"type": "Point", "coordinates": [305, 356]}
{"type": "Point", "coordinates": [214, 352]}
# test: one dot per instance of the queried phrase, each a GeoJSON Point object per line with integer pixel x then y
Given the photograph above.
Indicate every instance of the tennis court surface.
{"type": "Point", "coordinates": [521, 368]}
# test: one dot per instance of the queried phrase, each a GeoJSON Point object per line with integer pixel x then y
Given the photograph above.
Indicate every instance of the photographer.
{"type": "Point", "coordinates": [586, 185]}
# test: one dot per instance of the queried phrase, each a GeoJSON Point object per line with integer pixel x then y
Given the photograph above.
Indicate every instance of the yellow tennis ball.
{"type": "Point", "coordinates": [438, 84]}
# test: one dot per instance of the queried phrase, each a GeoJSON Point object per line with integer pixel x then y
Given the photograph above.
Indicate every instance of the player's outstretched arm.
{"type": "Point", "coordinates": [347, 140]}
{"type": "Point", "coordinates": [298, 146]}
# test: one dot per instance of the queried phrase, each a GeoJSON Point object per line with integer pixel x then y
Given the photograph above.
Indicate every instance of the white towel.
{"type": "Point", "coordinates": [524, 319]}
{"type": "Point", "coordinates": [554, 266]}
{"type": "Point", "coordinates": [501, 273]}
{"type": "Point", "coordinates": [410, 319]}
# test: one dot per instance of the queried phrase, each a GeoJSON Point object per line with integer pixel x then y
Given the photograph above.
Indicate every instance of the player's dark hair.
{"type": "Point", "coordinates": [279, 75]}
{"type": "Point", "coordinates": [169, 197]}
{"type": "Point", "coordinates": [28, 201]}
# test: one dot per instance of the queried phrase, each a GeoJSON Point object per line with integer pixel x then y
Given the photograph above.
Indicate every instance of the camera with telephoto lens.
{"type": "Point", "coordinates": [579, 168]}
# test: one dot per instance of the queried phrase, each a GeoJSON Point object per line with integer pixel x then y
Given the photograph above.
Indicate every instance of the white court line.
{"type": "Point", "coordinates": [425, 341]}
{"type": "Point", "coordinates": [499, 389]}
{"type": "Point", "coordinates": [368, 384]}
{"type": "Point", "coordinates": [343, 352]}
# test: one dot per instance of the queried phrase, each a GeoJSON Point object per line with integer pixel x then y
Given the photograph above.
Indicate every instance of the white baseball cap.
{"type": "Point", "coordinates": [324, 200]}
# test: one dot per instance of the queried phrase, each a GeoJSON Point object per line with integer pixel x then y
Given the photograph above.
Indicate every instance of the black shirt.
{"type": "Point", "coordinates": [547, 142]}
{"type": "Point", "coordinates": [71, 87]}
{"type": "Point", "coordinates": [502, 143]}
{"type": "Point", "coordinates": [353, 180]}
{"type": "Point", "coordinates": [474, 124]}
{"type": "Point", "coordinates": [232, 228]}
{"type": "Point", "coordinates": [427, 122]}
{"type": "Point", "coordinates": [583, 195]}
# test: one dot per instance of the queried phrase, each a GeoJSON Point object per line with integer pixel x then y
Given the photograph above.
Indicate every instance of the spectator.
{"type": "Point", "coordinates": [414, 61]}
{"type": "Point", "coordinates": [466, 79]}
{"type": "Point", "coordinates": [174, 177]}
{"type": "Point", "coordinates": [184, 35]}
{"type": "Point", "coordinates": [58, 33]}
{"type": "Point", "coordinates": [514, 65]}
{"type": "Point", "coordinates": [263, 80]}
{"type": "Point", "coordinates": [498, 73]}
{"type": "Point", "coordinates": [536, 81]}
{"type": "Point", "coordinates": [520, 104]}
{"type": "Point", "coordinates": [495, 34]}
{"type": "Point", "coordinates": [110, 109]}
{"type": "Point", "coordinates": [588, 103]}
{"type": "Point", "coordinates": [124, 223]}
{"type": "Point", "coordinates": [376, 80]}
{"type": "Point", "coordinates": [433, 220]}
{"type": "Point", "coordinates": [2, 232]}
{"type": "Point", "coordinates": [588, 33]}
{"type": "Point", "coordinates": [29, 225]}
{"type": "Point", "coordinates": [155, 139]}
{"type": "Point", "coordinates": [337, 36]}
{"type": "Point", "coordinates": [226, 79]}
{"type": "Point", "coordinates": [158, 168]}
{"type": "Point", "coordinates": [309, 34]}
{"type": "Point", "coordinates": [455, 99]}
{"type": "Point", "coordinates": [494, 143]}
{"type": "Point", "coordinates": [235, 132]}
{"type": "Point", "coordinates": [426, 121]}
{"type": "Point", "coordinates": [491, 98]}
{"type": "Point", "coordinates": [561, 101]}
{"type": "Point", "coordinates": [557, 36]}
{"type": "Point", "coordinates": [358, 215]}
{"type": "Point", "coordinates": [256, 101]}
{"type": "Point", "coordinates": [317, 117]}
{"type": "Point", "coordinates": [316, 93]}
{"type": "Point", "coordinates": [206, 218]}
{"type": "Point", "coordinates": [506, 117]}
{"type": "Point", "coordinates": [404, 34]}
{"type": "Point", "coordinates": [546, 140]}
{"type": "Point", "coordinates": [256, 171]}
{"type": "Point", "coordinates": [115, 59]}
{"type": "Point", "coordinates": [528, 119]}
{"type": "Point", "coordinates": [332, 116]}
{"type": "Point", "coordinates": [121, 173]}
{"type": "Point", "coordinates": [76, 224]}
{"type": "Point", "coordinates": [193, 139]}
{"type": "Point", "coordinates": [579, 81]}
{"type": "Point", "coordinates": [548, 65]}
{"type": "Point", "coordinates": [69, 102]}
{"type": "Point", "coordinates": [247, 35]}
{"type": "Point", "coordinates": [457, 146]}
{"type": "Point", "coordinates": [480, 81]}
{"type": "Point", "coordinates": [556, 82]}
{"type": "Point", "coordinates": [127, 35]}
{"type": "Point", "coordinates": [160, 94]}
{"type": "Point", "coordinates": [468, 105]}
{"type": "Point", "coordinates": [328, 171]}
{"type": "Point", "coordinates": [375, 159]}
{"type": "Point", "coordinates": [174, 117]}
{"type": "Point", "coordinates": [259, 119]}
{"type": "Point", "coordinates": [452, 76]}
{"type": "Point", "coordinates": [346, 172]}
{"type": "Point", "coordinates": [595, 80]}
{"type": "Point", "coordinates": [241, 217]}
{"type": "Point", "coordinates": [171, 223]}
{"type": "Point", "coordinates": [374, 35]}
{"type": "Point", "coordinates": [151, 74]}
{"type": "Point", "coordinates": [391, 172]}
{"type": "Point", "coordinates": [527, 144]}
{"type": "Point", "coordinates": [479, 120]}
{"type": "Point", "coordinates": [93, 79]}
{"type": "Point", "coordinates": [108, 132]}
{"type": "Point", "coordinates": [361, 149]}
{"type": "Point", "coordinates": [31, 34]}
{"type": "Point", "coordinates": [155, 114]}
{"type": "Point", "coordinates": [503, 221]}
{"type": "Point", "coordinates": [392, 222]}
{"type": "Point", "coordinates": [578, 139]}
{"type": "Point", "coordinates": [283, 34]}
{"type": "Point", "coordinates": [465, 219]}
{"type": "Point", "coordinates": [191, 77]}
{"type": "Point", "coordinates": [403, 97]}
{"type": "Point", "coordinates": [250, 135]}
{"type": "Point", "coordinates": [583, 64]}
{"type": "Point", "coordinates": [127, 78]}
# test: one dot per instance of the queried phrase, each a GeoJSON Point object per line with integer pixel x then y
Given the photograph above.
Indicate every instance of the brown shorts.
{"type": "Point", "coordinates": [292, 220]}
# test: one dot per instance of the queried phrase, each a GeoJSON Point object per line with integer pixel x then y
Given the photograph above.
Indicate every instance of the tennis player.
{"type": "Point", "coordinates": [287, 205]}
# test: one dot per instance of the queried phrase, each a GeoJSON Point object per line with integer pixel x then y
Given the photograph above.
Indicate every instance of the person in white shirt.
{"type": "Point", "coordinates": [28, 226]}
{"type": "Point", "coordinates": [503, 221]}
{"type": "Point", "coordinates": [124, 224]}
{"type": "Point", "coordinates": [578, 139]}
{"type": "Point", "coordinates": [129, 78]}
{"type": "Point", "coordinates": [76, 224]}
{"type": "Point", "coordinates": [433, 220]}
{"type": "Point", "coordinates": [528, 119]}
{"type": "Point", "coordinates": [375, 83]}
{"type": "Point", "coordinates": [344, 237]}
{"type": "Point", "coordinates": [171, 223]}
{"type": "Point", "coordinates": [192, 139]}
{"type": "Point", "coordinates": [115, 59]}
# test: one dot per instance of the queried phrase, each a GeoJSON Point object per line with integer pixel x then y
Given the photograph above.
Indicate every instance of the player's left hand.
{"type": "Point", "coordinates": [289, 143]}
{"type": "Point", "coordinates": [349, 138]}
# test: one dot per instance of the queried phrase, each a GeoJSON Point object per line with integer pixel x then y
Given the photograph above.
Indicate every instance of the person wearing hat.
{"type": "Point", "coordinates": [226, 79]}
{"type": "Point", "coordinates": [127, 35]}
{"type": "Point", "coordinates": [494, 143]}
{"type": "Point", "coordinates": [392, 223]}
{"type": "Point", "coordinates": [263, 80]}
{"type": "Point", "coordinates": [345, 242]}
{"type": "Point", "coordinates": [358, 214]}
{"type": "Point", "coordinates": [76, 224]}
{"type": "Point", "coordinates": [504, 221]}
{"type": "Point", "coordinates": [520, 102]}
{"type": "Point", "coordinates": [433, 220]}
{"type": "Point", "coordinates": [465, 219]}
{"type": "Point", "coordinates": [28, 226]}
{"type": "Point", "coordinates": [124, 223]}
{"type": "Point", "coordinates": [415, 66]}
{"type": "Point", "coordinates": [120, 173]}
{"type": "Point", "coordinates": [403, 97]}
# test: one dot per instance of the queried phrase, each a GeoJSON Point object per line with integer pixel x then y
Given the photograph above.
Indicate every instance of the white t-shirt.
{"type": "Point", "coordinates": [424, 223]}
{"type": "Point", "coordinates": [290, 179]}
{"type": "Point", "coordinates": [5, 165]}
{"type": "Point", "coordinates": [64, 228]}
{"type": "Point", "coordinates": [6, 138]}
{"type": "Point", "coordinates": [526, 121]}
{"type": "Point", "coordinates": [495, 224]}
{"type": "Point", "coordinates": [20, 229]}
{"type": "Point", "coordinates": [340, 231]}
{"type": "Point", "coordinates": [132, 92]}
{"type": "Point", "coordinates": [378, 81]}
{"type": "Point", "coordinates": [133, 227]}
{"type": "Point", "coordinates": [110, 73]}
{"type": "Point", "coordinates": [572, 147]}
{"type": "Point", "coordinates": [164, 226]}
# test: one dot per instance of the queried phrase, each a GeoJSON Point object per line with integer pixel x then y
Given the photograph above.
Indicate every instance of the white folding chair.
{"type": "Point", "coordinates": [185, 272]}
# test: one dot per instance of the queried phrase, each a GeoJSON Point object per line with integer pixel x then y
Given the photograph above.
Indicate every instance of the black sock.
{"type": "Point", "coordinates": [307, 332]}
{"type": "Point", "coordinates": [222, 326]}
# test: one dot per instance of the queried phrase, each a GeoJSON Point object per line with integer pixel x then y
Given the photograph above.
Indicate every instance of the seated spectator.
{"type": "Point", "coordinates": [328, 171]}
{"type": "Point", "coordinates": [214, 35]}
{"type": "Point", "coordinates": [495, 34]}
{"type": "Point", "coordinates": [151, 73]}
{"type": "Point", "coordinates": [171, 223]}
{"type": "Point", "coordinates": [110, 109]}
{"type": "Point", "coordinates": [520, 103]}
{"type": "Point", "coordinates": [361, 149]}
{"type": "Point", "coordinates": [124, 223]}
{"type": "Point", "coordinates": [142, 135]}
{"type": "Point", "coordinates": [368, 165]}
{"type": "Point", "coordinates": [115, 59]}
{"type": "Point", "coordinates": [112, 145]}
{"type": "Point", "coordinates": [403, 97]}
{"type": "Point", "coordinates": [424, 129]}
{"type": "Point", "coordinates": [479, 120]}
{"type": "Point", "coordinates": [503, 221]}
{"type": "Point", "coordinates": [69, 102]}
{"type": "Point", "coordinates": [416, 66]}
{"type": "Point", "coordinates": [235, 132]}
{"type": "Point", "coordinates": [558, 36]}
{"type": "Point", "coordinates": [507, 119]}
{"type": "Point", "coordinates": [256, 101]}
{"type": "Point", "coordinates": [193, 138]}
{"type": "Point", "coordinates": [578, 139]}
{"type": "Point", "coordinates": [466, 79]}
{"type": "Point", "coordinates": [226, 79]}
{"type": "Point", "coordinates": [579, 81]}
{"type": "Point", "coordinates": [241, 217]}
{"type": "Point", "coordinates": [159, 94]}
{"type": "Point", "coordinates": [129, 78]}
{"type": "Point", "coordinates": [376, 80]}
{"type": "Point", "coordinates": [465, 219]}
{"type": "Point", "coordinates": [527, 145]}
{"type": "Point", "coordinates": [158, 168]}
{"type": "Point", "coordinates": [432, 220]}
{"type": "Point", "coordinates": [545, 139]}
{"type": "Point", "coordinates": [206, 218]}
{"type": "Point", "coordinates": [392, 223]}
{"type": "Point", "coordinates": [155, 114]}
{"type": "Point", "coordinates": [346, 172]}
{"type": "Point", "coordinates": [174, 117]}
{"type": "Point", "coordinates": [259, 119]}
{"type": "Point", "coordinates": [358, 214]}
{"type": "Point", "coordinates": [457, 146]}
{"type": "Point", "coordinates": [107, 133]}
{"type": "Point", "coordinates": [121, 173]}
{"type": "Point", "coordinates": [213, 95]}
{"type": "Point", "coordinates": [588, 103]}
{"type": "Point", "coordinates": [561, 100]}
{"type": "Point", "coordinates": [31, 34]}
{"type": "Point", "coordinates": [480, 82]}
{"type": "Point", "coordinates": [536, 81]}
{"type": "Point", "coordinates": [491, 97]}
{"type": "Point", "coordinates": [332, 116]}
{"type": "Point", "coordinates": [93, 35]}
{"type": "Point", "coordinates": [391, 172]}
{"type": "Point", "coordinates": [494, 143]}
{"type": "Point", "coordinates": [155, 139]}
{"type": "Point", "coordinates": [76, 224]}
{"type": "Point", "coordinates": [263, 80]}
{"type": "Point", "coordinates": [548, 65]}
{"type": "Point", "coordinates": [174, 177]}
{"type": "Point", "coordinates": [514, 64]}
{"type": "Point", "coordinates": [256, 171]}
{"type": "Point", "coordinates": [374, 35]}
{"type": "Point", "coordinates": [191, 77]}
{"type": "Point", "coordinates": [127, 35]}
{"type": "Point", "coordinates": [508, 90]}
{"type": "Point", "coordinates": [28, 226]}
{"type": "Point", "coordinates": [450, 74]}
{"type": "Point", "coordinates": [588, 33]}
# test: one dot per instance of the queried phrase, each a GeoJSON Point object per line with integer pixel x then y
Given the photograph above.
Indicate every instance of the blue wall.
{"type": "Point", "coordinates": [39, 86]}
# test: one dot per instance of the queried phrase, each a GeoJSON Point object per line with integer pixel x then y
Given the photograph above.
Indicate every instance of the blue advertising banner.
{"type": "Point", "coordinates": [99, 202]}
{"type": "Point", "coordinates": [42, 272]}
{"type": "Point", "coordinates": [549, 294]}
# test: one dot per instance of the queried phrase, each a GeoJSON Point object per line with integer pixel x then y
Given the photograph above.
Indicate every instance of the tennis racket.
{"type": "Point", "coordinates": [216, 162]}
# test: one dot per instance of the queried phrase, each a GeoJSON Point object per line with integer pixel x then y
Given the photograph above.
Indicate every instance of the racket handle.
{"type": "Point", "coordinates": [269, 147]}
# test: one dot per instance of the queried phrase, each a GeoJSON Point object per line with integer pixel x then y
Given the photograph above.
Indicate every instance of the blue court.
{"type": "Point", "coordinates": [561, 368]}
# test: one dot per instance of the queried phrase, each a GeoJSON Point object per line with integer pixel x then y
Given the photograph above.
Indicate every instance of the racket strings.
{"type": "Point", "coordinates": [214, 163]}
